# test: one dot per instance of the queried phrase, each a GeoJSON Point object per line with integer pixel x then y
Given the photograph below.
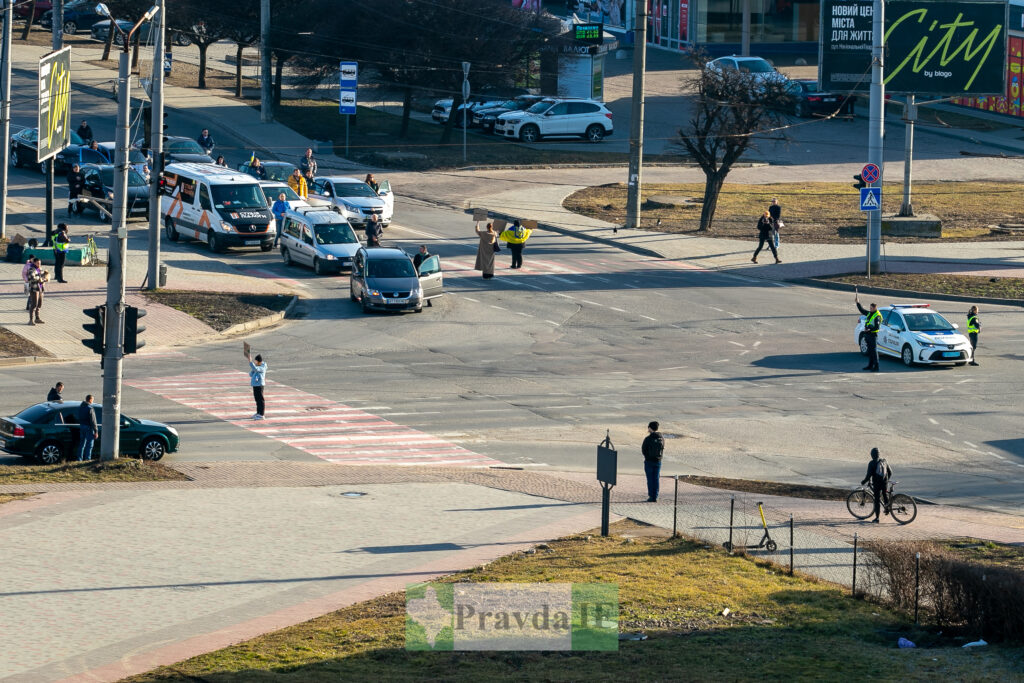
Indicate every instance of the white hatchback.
{"type": "Point", "coordinates": [354, 199]}
{"type": "Point", "coordinates": [916, 334]}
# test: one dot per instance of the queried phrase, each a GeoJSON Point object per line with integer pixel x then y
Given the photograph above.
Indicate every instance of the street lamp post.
{"type": "Point", "coordinates": [118, 244]}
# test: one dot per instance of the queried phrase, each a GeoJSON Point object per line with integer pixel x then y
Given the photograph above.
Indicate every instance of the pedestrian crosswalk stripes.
{"type": "Point", "coordinates": [327, 429]}
{"type": "Point", "coordinates": [463, 267]}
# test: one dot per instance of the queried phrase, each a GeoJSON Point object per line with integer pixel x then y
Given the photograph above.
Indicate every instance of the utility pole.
{"type": "Point", "coordinates": [876, 122]}
{"type": "Point", "coordinates": [5, 113]}
{"type": "Point", "coordinates": [58, 43]}
{"type": "Point", "coordinates": [745, 36]}
{"type": "Point", "coordinates": [465, 106]}
{"type": "Point", "coordinates": [118, 247]}
{"type": "Point", "coordinates": [266, 106]}
{"type": "Point", "coordinates": [636, 124]}
{"type": "Point", "coordinates": [910, 117]}
{"type": "Point", "coordinates": [156, 148]}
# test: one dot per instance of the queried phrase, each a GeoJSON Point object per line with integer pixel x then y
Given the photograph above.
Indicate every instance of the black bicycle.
{"type": "Point", "coordinates": [902, 508]}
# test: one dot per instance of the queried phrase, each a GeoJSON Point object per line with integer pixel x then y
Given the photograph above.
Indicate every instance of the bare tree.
{"type": "Point", "coordinates": [28, 20]}
{"type": "Point", "coordinates": [731, 107]}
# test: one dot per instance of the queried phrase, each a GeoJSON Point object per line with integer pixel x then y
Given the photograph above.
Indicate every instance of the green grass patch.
{"type": "Point", "coordinates": [220, 310]}
{"type": "Point", "coordinates": [373, 140]}
{"type": "Point", "coordinates": [987, 552]}
{"type": "Point", "coordinates": [939, 283]}
{"type": "Point", "coordinates": [780, 628]}
{"type": "Point", "coordinates": [122, 469]}
{"type": "Point", "coordinates": [813, 212]}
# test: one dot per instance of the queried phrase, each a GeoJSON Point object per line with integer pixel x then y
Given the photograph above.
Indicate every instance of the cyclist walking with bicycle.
{"type": "Point", "coordinates": [878, 474]}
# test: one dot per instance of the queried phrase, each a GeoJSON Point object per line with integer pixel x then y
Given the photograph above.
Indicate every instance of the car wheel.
{"type": "Point", "coordinates": [318, 267]}
{"type": "Point", "coordinates": [182, 40]}
{"type": "Point", "coordinates": [70, 27]}
{"type": "Point", "coordinates": [801, 110]}
{"type": "Point", "coordinates": [50, 453]}
{"type": "Point", "coordinates": [863, 344]}
{"type": "Point", "coordinates": [15, 157]}
{"type": "Point", "coordinates": [287, 256]}
{"type": "Point", "coordinates": [153, 449]}
{"type": "Point", "coordinates": [595, 133]}
{"type": "Point", "coordinates": [352, 295]}
{"type": "Point", "coordinates": [172, 232]}
{"type": "Point", "coordinates": [907, 355]}
{"type": "Point", "coordinates": [366, 304]}
{"type": "Point", "coordinates": [960, 365]}
{"type": "Point", "coordinates": [529, 133]}
{"type": "Point", "coordinates": [214, 242]}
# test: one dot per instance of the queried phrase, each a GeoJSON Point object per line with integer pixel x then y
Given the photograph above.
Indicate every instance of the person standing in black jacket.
{"type": "Point", "coordinates": [653, 447]}
{"type": "Point", "coordinates": [76, 186]}
{"type": "Point", "coordinates": [88, 429]}
{"type": "Point", "coordinates": [54, 394]}
{"type": "Point", "coordinates": [765, 226]}
{"type": "Point", "coordinates": [878, 474]}
{"type": "Point", "coordinates": [85, 132]}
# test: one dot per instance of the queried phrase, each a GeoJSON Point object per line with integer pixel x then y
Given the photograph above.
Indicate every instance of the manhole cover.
{"type": "Point", "coordinates": [353, 494]}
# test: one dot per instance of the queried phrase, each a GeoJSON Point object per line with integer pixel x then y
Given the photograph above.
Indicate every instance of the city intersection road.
{"type": "Point", "coordinates": [749, 378]}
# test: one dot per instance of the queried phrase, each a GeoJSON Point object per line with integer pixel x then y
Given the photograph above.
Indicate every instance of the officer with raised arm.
{"type": "Point", "coordinates": [872, 321]}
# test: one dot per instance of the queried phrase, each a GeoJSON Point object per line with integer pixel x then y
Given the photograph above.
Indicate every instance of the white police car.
{"type": "Point", "coordinates": [916, 334]}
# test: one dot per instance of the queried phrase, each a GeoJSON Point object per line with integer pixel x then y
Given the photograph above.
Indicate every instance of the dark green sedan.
{"type": "Point", "coordinates": [48, 432]}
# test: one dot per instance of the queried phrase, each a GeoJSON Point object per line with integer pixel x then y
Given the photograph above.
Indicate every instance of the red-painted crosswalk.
{"type": "Point", "coordinates": [463, 267]}
{"type": "Point", "coordinates": [319, 426]}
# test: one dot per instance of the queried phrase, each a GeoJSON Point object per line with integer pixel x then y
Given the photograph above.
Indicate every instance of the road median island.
{"type": "Point", "coordinates": [673, 591]}
{"type": "Point", "coordinates": [977, 288]}
{"type": "Point", "coordinates": [93, 472]}
{"type": "Point", "coordinates": [223, 311]}
{"type": "Point", "coordinates": [813, 213]}
{"type": "Point", "coordinates": [770, 488]}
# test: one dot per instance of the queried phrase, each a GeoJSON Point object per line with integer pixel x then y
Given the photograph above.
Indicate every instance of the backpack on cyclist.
{"type": "Point", "coordinates": [882, 469]}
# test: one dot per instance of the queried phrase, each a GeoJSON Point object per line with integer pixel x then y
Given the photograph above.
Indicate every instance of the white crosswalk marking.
{"type": "Point", "coordinates": [324, 428]}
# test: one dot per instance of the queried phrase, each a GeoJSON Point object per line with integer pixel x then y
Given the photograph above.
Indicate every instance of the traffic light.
{"type": "Point", "coordinates": [95, 328]}
{"type": "Point", "coordinates": [860, 182]}
{"type": "Point", "coordinates": [147, 123]}
{"type": "Point", "coordinates": [132, 329]}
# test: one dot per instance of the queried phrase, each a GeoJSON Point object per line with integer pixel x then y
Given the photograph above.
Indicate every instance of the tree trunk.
{"type": "Point", "coordinates": [278, 75]}
{"type": "Point", "coordinates": [712, 188]}
{"type": "Point", "coordinates": [406, 111]}
{"type": "Point", "coordinates": [110, 41]}
{"type": "Point", "coordinates": [446, 135]}
{"type": "Point", "coordinates": [203, 47]}
{"type": "Point", "coordinates": [28, 22]}
{"type": "Point", "coordinates": [238, 69]}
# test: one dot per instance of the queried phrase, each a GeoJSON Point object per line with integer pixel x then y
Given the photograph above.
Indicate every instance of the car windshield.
{"type": "Point", "coordinates": [76, 139]}
{"type": "Point", "coordinates": [136, 157]}
{"type": "Point", "coordinates": [755, 66]}
{"type": "Point", "coordinates": [278, 172]}
{"type": "Point", "coordinates": [539, 108]}
{"type": "Point", "coordinates": [926, 321]}
{"type": "Point", "coordinates": [509, 104]}
{"type": "Point", "coordinates": [391, 267]}
{"type": "Point", "coordinates": [353, 190]}
{"type": "Point", "coordinates": [238, 197]}
{"type": "Point", "coordinates": [37, 413]}
{"type": "Point", "coordinates": [272, 191]}
{"type": "Point", "coordinates": [134, 179]}
{"type": "Point", "coordinates": [811, 86]}
{"type": "Point", "coordinates": [334, 233]}
{"type": "Point", "coordinates": [184, 147]}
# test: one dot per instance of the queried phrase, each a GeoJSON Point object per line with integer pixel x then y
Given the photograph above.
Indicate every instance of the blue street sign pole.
{"type": "Point", "coordinates": [348, 85]}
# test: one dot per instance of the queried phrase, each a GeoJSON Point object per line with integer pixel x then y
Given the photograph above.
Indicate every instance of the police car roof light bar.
{"type": "Point", "coordinates": [911, 305]}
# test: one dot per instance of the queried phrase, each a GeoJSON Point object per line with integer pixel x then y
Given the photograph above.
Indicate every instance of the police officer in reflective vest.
{"type": "Point", "coordinates": [60, 251]}
{"type": "Point", "coordinates": [871, 324]}
{"type": "Point", "coordinates": [973, 330]}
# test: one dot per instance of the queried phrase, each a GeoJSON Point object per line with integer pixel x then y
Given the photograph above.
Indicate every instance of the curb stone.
{"type": "Point", "coordinates": [844, 287]}
{"type": "Point", "coordinates": [27, 360]}
{"type": "Point", "coordinates": [265, 321]}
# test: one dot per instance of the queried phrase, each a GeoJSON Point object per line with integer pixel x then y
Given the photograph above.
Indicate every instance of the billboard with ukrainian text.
{"type": "Point", "coordinates": [54, 103]}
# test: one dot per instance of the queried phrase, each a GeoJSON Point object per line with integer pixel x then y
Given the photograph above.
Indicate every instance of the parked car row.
{"type": "Point", "coordinates": [529, 118]}
{"type": "Point", "coordinates": [81, 15]}
{"type": "Point", "coordinates": [805, 98]}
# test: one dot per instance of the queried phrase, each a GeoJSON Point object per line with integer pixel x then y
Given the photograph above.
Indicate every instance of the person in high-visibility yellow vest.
{"type": "Point", "coordinates": [973, 330]}
{"type": "Point", "coordinates": [60, 251]}
{"type": "Point", "coordinates": [516, 236]}
{"type": "Point", "coordinates": [872, 321]}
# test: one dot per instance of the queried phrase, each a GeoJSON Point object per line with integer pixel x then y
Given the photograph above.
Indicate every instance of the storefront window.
{"type": "Point", "coordinates": [771, 21]}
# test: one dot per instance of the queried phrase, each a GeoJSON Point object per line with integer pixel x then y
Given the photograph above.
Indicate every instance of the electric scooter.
{"type": "Point", "coordinates": [766, 540]}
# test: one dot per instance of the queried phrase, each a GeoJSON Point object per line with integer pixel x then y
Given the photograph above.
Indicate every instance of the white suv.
{"type": "Point", "coordinates": [557, 118]}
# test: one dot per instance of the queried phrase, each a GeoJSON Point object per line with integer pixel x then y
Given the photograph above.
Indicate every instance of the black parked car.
{"type": "Point", "coordinates": [486, 116]}
{"type": "Point", "coordinates": [99, 183]}
{"type": "Point", "coordinates": [78, 16]}
{"type": "Point", "coordinates": [24, 147]}
{"type": "Point", "coordinates": [183, 149]}
{"type": "Point", "coordinates": [807, 100]}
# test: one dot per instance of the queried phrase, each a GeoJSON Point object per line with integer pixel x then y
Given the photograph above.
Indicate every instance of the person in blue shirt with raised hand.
{"type": "Point", "coordinates": [279, 208]}
{"type": "Point", "coordinates": [258, 380]}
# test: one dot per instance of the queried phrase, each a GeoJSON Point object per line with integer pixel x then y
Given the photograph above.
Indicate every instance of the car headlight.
{"type": "Point", "coordinates": [513, 121]}
{"type": "Point", "coordinates": [172, 430]}
{"type": "Point", "coordinates": [331, 257]}
{"type": "Point", "coordinates": [373, 292]}
{"type": "Point", "coordinates": [226, 226]}
{"type": "Point", "coordinates": [110, 195]}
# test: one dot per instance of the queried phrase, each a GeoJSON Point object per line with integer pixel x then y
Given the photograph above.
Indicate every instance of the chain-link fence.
{"type": "Point", "coordinates": [816, 537]}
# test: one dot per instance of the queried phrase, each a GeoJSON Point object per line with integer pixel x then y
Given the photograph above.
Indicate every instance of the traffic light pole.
{"type": "Point", "coordinates": [114, 352]}
{"type": "Point", "coordinates": [876, 121]}
{"type": "Point", "coordinates": [636, 123]}
{"type": "Point", "coordinates": [5, 112]}
{"type": "Point", "coordinates": [156, 148]}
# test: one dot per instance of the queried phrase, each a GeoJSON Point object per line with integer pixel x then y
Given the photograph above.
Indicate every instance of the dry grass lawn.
{"type": "Point", "coordinates": [122, 469]}
{"type": "Point", "coordinates": [940, 283]}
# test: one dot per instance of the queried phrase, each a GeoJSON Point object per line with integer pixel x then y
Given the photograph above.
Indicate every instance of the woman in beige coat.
{"type": "Point", "coordinates": [485, 252]}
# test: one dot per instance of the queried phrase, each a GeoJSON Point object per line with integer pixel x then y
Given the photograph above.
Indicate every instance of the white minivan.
{"type": "Point", "coordinates": [216, 205]}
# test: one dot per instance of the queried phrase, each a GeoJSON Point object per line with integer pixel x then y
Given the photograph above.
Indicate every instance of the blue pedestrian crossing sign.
{"type": "Point", "coordinates": [870, 199]}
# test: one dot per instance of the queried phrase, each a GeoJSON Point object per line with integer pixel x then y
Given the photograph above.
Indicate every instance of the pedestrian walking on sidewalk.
{"type": "Point", "coordinates": [37, 278]}
{"type": "Point", "coordinates": [516, 237]}
{"type": "Point", "coordinates": [973, 330]}
{"type": "Point", "coordinates": [258, 380]}
{"type": "Point", "coordinates": [775, 211]}
{"type": "Point", "coordinates": [653, 448]}
{"type": "Point", "coordinates": [55, 393]}
{"type": "Point", "coordinates": [765, 226]}
{"type": "Point", "coordinates": [485, 250]}
{"type": "Point", "coordinates": [76, 186]}
{"type": "Point", "coordinates": [88, 429]}
{"type": "Point", "coordinates": [61, 243]}
{"type": "Point", "coordinates": [307, 164]}
{"type": "Point", "coordinates": [279, 209]}
{"type": "Point", "coordinates": [872, 321]}
{"type": "Point", "coordinates": [30, 265]}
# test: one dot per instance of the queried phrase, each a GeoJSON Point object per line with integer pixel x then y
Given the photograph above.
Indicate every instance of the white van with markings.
{"type": "Point", "coordinates": [216, 205]}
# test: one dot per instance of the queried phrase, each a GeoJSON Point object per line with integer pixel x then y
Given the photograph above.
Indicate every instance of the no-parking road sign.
{"type": "Point", "coordinates": [869, 174]}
